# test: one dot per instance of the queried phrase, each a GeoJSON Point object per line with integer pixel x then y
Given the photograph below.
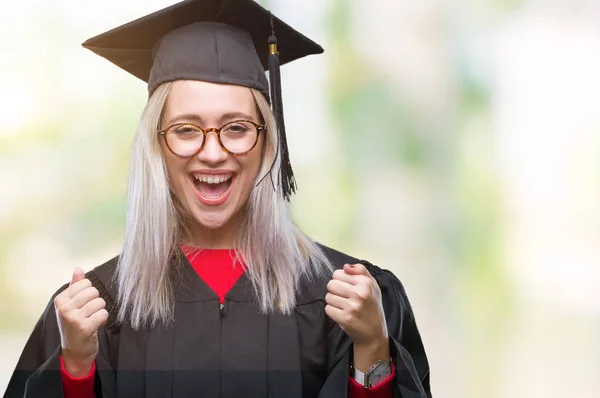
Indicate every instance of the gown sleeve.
{"type": "Point", "coordinates": [77, 387]}
{"type": "Point", "coordinates": [406, 348]}
{"type": "Point", "coordinates": [382, 390]}
{"type": "Point", "coordinates": [38, 371]}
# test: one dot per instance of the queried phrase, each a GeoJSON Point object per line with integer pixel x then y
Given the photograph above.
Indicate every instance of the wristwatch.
{"type": "Point", "coordinates": [378, 372]}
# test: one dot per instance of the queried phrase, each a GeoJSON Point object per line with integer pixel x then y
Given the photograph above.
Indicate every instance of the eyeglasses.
{"type": "Point", "coordinates": [236, 138]}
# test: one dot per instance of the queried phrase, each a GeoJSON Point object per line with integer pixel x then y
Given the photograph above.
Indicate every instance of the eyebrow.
{"type": "Point", "coordinates": [226, 117]}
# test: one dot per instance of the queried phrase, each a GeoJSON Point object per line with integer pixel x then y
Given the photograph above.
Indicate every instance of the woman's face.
{"type": "Point", "coordinates": [214, 207]}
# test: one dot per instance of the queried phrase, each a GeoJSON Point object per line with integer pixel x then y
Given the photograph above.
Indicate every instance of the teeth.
{"type": "Point", "coordinates": [212, 179]}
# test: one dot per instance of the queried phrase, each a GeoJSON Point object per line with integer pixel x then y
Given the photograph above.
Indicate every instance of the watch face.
{"type": "Point", "coordinates": [381, 372]}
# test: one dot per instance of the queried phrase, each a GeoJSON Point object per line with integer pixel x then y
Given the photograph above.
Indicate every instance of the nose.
{"type": "Point", "coordinates": [212, 152]}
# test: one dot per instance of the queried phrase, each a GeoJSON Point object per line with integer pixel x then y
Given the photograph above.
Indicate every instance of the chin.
{"type": "Point", "coordinates": [213, 221]}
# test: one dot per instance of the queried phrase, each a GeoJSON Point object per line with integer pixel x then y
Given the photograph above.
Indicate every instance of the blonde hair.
{"type": "Point", "coordinates": [277, 254]}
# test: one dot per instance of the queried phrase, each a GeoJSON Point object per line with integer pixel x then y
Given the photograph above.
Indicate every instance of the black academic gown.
{"type": "Point", "coordinates": [227, 351]}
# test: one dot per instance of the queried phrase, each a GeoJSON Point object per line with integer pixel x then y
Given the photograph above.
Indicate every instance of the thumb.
{"type": "Point", "coordinates": [356, 269]}
{"type": "Point", "coordinates": [78, 275]}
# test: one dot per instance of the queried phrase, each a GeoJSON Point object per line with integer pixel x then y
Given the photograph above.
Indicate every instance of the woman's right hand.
{"type": "Point", "coordinates": [80, 312]}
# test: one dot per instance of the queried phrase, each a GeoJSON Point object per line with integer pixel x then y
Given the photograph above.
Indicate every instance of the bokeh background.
{"type": "Point", "coordinates": [456, 143]}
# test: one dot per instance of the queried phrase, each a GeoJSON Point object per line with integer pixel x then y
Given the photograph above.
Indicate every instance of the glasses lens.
{"type": "Point", "coordinates": [239, 137]}
{"type": "Point", "coordinates": [184, 139]}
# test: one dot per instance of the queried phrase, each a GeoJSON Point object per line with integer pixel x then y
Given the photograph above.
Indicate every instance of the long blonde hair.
{"type": "Point", "coordinates": [277, 254]}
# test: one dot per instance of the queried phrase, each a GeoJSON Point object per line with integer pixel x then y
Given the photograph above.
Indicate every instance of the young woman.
{"type": "Point", "coordinates": [217, 293]}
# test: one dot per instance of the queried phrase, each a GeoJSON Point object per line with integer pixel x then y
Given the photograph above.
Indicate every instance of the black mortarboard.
{"type": "Point", "coordinates": [219, 41]}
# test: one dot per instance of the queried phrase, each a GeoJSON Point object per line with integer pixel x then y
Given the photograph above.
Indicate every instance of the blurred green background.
{"type": "Point", "coordinates": [454, 142]}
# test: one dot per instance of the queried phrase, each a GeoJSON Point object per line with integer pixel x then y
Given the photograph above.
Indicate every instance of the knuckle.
{"type": "Point", "coordinates": [329, 312]}
{"type": "Point", "coordinates": [66, 314]}
{"type": "Point", "coordinates": [85, 283]}
{"type": "Point", "coordinates": [362, 294]}
{"type": "Point", "coordinates": [103, 318]}
{"type": "Point", "coordinates": [356, 305]}
{"type": "Point", "coordinates": [87, 328]}
{"type": "Point", "coordinates": [375, 287]}
{"type": "Point", "coordinates": [375, 290]}
{"type": "Point", "coordinates": [79, 326]}
{"type": "Point", "coordinates": [348, 319]}
{"type": "Point", "coordinates": [330, 284]}
{"type": "Point", "coordinates": [64, 311]}
{"type": "Point", "coordinates": [366, 294]}
{"type": "Point", "coordinates": [102, 313]}
{"type": "Point", "coordinates": [337, 273]}
{"type": "Point", "coordinates": [94, 292]}
{"type": "Point", "coordinates": [58, 301]}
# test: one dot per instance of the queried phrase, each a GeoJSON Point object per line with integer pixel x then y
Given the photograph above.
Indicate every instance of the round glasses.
{"type": "Point", "coordinates": [236, 138]}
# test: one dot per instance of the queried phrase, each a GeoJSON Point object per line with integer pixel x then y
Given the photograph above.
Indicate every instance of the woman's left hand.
{"type": "Point", "coordinates": [354, 303]}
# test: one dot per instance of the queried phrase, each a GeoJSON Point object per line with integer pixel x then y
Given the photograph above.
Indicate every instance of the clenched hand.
{"type": "Point", "coordinates": [80, 312]}
{"type": "Point", "coordinates": [354, 303]}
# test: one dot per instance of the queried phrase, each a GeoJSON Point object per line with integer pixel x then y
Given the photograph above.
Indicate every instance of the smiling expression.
{"type": "Point", "coordinates": [212, 186]}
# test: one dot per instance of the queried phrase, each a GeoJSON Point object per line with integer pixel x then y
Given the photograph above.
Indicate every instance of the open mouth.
{"type": "Point", "coordinates": [212, 187]}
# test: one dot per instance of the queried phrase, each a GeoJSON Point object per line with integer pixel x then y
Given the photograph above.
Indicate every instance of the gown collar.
{"type": "Point", "coordinates": [190, 287]}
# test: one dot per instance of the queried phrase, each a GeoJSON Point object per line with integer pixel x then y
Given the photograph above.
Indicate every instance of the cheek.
{"type": "Point", "coordinates": [256, 163]}
{"type": "Point", "coordinates": [258, 155]}
{"type": "Point", "coordinates": [175, 170]}
{"type": "Point", "coordinates": [253, 166]}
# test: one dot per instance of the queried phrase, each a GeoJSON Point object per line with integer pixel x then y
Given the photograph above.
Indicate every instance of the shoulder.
{"type": "Point", "coordinates": [104, 273]}
{"type": "Point", "coordinates": [101, 277]}
{"type": "Point", "coordinates": [337, 258]}
{"type": "Point", "coordinates": [317, 288]}
{"type": "Point", "coordinates": [390, 285]}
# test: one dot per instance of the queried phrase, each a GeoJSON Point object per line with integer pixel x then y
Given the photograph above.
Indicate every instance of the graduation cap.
{"type": "Point", "coordinates": [217, 41]}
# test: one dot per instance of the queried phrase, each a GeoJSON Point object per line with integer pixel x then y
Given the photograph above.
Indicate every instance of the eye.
{"type": "Point", "coordinates": [238, 128]}
{"type": "Point", "coordinates": [184, 130]}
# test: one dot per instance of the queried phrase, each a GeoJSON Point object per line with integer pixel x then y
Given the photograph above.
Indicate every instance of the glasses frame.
{"type": "Point", "coordinates": [217, 131]}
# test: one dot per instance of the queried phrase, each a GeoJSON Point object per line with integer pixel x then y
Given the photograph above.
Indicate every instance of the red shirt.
{"type": "Point", "coordinates": [220, 271]}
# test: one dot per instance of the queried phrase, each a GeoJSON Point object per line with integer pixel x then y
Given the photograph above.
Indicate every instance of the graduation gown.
{"type": "Point", "coordinates": [229, 350]}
